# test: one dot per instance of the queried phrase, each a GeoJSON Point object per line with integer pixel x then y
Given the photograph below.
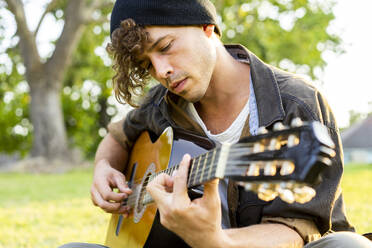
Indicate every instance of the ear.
{"type": "Point", "coordinates": [208, 29]}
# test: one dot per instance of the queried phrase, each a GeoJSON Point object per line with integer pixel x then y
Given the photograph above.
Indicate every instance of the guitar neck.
{"type": "Point", "coordinates": [203, 168]}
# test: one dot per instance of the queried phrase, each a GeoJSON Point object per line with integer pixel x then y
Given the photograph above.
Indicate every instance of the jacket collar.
{"type": "Point", "coordinates": [265, 85]}
{"type": "Point", "coordinates": [266, 89]}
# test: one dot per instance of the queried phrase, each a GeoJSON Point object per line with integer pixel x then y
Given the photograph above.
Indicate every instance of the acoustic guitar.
{"type": "Point", "coordinates": [285, 162]}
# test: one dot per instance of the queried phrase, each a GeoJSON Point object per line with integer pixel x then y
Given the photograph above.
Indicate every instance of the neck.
{"type": "Point", "coordinates": [229, 82]}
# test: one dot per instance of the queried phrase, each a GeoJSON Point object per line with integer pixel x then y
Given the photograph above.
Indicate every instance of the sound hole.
{"type": "Point", "coordinates": [142, 194]}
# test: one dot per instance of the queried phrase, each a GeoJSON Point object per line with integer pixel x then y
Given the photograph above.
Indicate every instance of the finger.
{"type": "Point", "coordinates": [180, 179]}
{"type": "Point", "coordinates": [120, 183]}
{"type": "Point", "coordinates": [124, 210]}
{"type": "Point", "coordinates": [157, 188]}
{"type": "Point", "coordinates": [109, 207]}
{"type": "Point", "coordinates": [93, 196]}
{"type": "Point", "coordinates": [108, 195]}
{"type": "Point", "coordinates": [211, 189]}
{"type": "Point", "coordinates": [169, 184]}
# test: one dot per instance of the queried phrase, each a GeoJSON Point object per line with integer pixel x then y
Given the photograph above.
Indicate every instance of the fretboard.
{"type": "Point", "coordinates": [203, 168]}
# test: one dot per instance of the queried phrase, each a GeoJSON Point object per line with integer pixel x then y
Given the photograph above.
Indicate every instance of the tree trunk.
{"type": "Point", "coordinates": [45, 79]}
{"type": "Point", "coordinates": [50, 139]}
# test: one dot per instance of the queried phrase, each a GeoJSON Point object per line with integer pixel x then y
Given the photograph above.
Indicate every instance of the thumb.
{"type": "Point", "coordinates": [157, 187]}
{"type": "Point", "coordinates": [211, 189]}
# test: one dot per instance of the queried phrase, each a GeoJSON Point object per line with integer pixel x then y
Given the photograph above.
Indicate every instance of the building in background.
{"type": "Point", "coordinates": [357, 142]}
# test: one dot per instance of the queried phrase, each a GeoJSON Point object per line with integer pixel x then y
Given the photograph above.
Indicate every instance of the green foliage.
{"type": "Point", "coordinates": [289, 33]}
{"type": "Point", "coordinates": [85, 94]}
{"type": "Point", "coordinates": [87, 89]}
{"type": "Point", "coordinates": [15, 126]}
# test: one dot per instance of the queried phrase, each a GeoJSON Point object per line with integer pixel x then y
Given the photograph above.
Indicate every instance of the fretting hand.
{"type": "Point", "coordinates": [197, 222]}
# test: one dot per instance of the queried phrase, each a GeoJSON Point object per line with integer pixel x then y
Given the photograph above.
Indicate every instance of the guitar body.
{"type": "Point", "coordinates": [149, 157]}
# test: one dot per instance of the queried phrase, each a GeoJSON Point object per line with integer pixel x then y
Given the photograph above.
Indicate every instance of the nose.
{"type": "Point", "coordinates": [162, 67]}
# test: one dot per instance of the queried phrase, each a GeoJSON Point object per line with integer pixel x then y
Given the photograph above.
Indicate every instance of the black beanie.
{"type": "Point", "coordinates": [164, 12]}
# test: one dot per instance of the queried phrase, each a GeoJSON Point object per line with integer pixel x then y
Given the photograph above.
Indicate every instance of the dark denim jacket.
{"type": "Point", "coordinates": [280, 96]}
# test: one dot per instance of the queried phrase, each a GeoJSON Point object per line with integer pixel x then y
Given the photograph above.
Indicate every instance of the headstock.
{"type": "Point", "coordinates": [284, 162]}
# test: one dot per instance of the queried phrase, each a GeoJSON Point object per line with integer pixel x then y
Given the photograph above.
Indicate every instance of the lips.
{"type": "Point", "coordinates": [178, 85]}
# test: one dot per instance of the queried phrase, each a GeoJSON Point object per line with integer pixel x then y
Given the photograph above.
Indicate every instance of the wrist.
{"type": "Point", "coordinates": [103, 166]}
{"type": "Point", "coordinates": [221, 240]}
{"type": "Point", "coordinates": [225, 239]}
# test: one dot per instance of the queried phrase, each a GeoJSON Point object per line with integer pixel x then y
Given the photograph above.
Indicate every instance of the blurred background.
{"type": "Point", "coordinates": [56, 100]}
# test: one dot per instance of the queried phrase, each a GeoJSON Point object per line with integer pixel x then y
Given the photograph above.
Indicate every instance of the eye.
{"type": "Point", "coordinates": [166, 48]}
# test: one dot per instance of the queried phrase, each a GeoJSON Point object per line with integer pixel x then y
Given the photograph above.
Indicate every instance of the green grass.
{"type": "Point", "coordinates": [50, 210]}
{"type": "Point", "coordinates": [357, 190]}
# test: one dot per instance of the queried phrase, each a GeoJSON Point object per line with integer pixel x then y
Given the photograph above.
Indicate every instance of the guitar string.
{"type": "Point", "coordinates": [231, 152]}
{"type": "Point", "coordinates": [209, 168]}
{"type": "Point", "coordinates": [133, 197]}
{"type": "Point", "coordinates": [193, 176]}
{"type": "Point", "coordinates": [236, 149]}
{"type": "Point", "coordinates": [228, 170]}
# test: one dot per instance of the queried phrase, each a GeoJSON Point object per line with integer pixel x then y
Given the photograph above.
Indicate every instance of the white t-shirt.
{"type": "Point", "coordinates": [231, 134]}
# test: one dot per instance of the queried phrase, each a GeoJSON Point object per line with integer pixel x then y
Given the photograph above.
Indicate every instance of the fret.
{"type": "Point", "coordinates": [191, 173]}
{"type": "Point", "coordinates": [212, 163]}
{"type": "Point", "coordinates": [205, 162]}
{"type": "Point", "coordinates": [208, 167]}
{"type": "Point", "coordinates": [197, 169]}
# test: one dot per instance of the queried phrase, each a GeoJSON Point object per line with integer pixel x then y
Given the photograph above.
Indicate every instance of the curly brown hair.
{"type": "Point", "coordinates": [127, 43]}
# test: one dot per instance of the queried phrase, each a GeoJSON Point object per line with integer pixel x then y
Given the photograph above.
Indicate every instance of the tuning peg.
{"type": "Point", "coordinates": [267, 192]}
{"type": "Point", "coordinates": [324, 160]}
{"type": "Point", "coordinates": [274, 144]}
{"type": "Point", "coordinates": [293, 140]}
{"type": "Point", "coordinates": [278, 126]}
{"type": "Point", "coordinates": [296, 122]}
{"type": "Point", "coordinates": [286, 195]}
{"type": "Point", "coordinates": [258, 147]}
{"type": "Point", "coordinates": [262, 130]}
{"type": "Point", "coordinates": [253, 170]}
{"type": "Point", "coordinates": [327, 151]}
{"type": "Point", "coordinates": [250, 186]}
{"type": "Point", "coordinates": [287, 168]}
{"type": "Point", "coordinates": [304, 194]}
{"type": "Point", "coordinates": [270, 168]}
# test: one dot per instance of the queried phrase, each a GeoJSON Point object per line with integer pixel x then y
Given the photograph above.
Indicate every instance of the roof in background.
{"type": "Point", "coordinates": [358, 135]}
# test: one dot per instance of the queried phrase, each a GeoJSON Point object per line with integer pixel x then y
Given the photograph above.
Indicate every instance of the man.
{"type": "Point", "coordinates": [223, 92]}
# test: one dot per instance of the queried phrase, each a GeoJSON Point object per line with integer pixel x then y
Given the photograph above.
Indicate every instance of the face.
{"type": "Point", "coordinates": [181, 58]}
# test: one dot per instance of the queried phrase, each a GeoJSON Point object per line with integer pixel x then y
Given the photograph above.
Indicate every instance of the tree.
{"type": "Point", "coordinates": [45, 79]}
{"type": "Point", "coordinates": [291, 34]}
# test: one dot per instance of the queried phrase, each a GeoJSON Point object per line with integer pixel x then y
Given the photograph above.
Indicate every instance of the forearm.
{"type": "Point", "coordinates": [262, 235]}
{"type": "Point", "coordinates": [111, 151]}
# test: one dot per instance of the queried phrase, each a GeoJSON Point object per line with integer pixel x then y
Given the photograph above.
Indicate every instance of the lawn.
{"type": "Point", "coordinates": [49, 210]}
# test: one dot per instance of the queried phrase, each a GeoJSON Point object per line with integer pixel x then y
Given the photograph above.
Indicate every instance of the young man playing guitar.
{"type": "Point", "coordinates": [224, 93]}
